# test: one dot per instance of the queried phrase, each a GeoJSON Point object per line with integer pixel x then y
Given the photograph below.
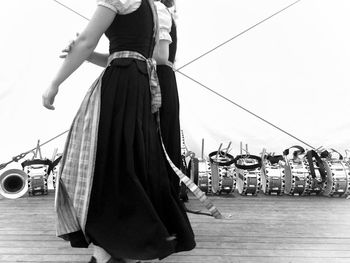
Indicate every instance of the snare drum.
{"type": "Point", "coordinates": [272, 175]}
{"type": "Point", "coordinates": [338, 179]}
{"type": "Point", "coordinates": [37, 171]}
{"type": "Point", "coordinates": [222, 172]}
{"type": "Point", "coordinates": [248, 172]}
{"type": "Point", "coordinates": [297, 176]}
{"type": "Point", "coordinates": [200, 174]}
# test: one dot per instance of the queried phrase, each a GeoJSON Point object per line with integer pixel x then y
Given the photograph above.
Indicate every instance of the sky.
{"type": "Point", "coordinates": [291, 70]}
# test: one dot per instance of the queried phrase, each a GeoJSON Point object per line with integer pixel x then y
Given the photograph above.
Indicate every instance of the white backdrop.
{"type": "Point", "coordinates": [291, 70]}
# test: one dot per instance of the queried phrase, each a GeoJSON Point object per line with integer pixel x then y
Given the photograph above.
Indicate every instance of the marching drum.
{"type": "Point", "coordinates": [200, 174]}
{"type": "Point", "coordinates": [338, 179]}
{"type": "Point", "coordinates": [38, 171]}
{"type": "Point", "coordinates": [317, 171]}
{"type": "Point", "coordinates": [211, 176]}
{"type": "Point", "coordinates": [273, 177]}
{"type": "Point", "coordinates": [222, 172]}
{"type": "Point", "coordinates": [297, 176]}
{"type": "Point", "coordinates": [248, 172]}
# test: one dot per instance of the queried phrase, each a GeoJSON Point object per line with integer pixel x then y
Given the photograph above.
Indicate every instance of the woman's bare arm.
{"type": "Point", "coordinates": [82, 49]}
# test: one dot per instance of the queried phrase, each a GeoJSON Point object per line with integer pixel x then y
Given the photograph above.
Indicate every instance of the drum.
{"type": "Point", "coordinates": [317, 171]}
{"type": "Point", "coordinates": [297, 176]}
{"type": "Point", "coordinates": [338, 179]}
{"type": "Point", "coordinates": [37, 171]}
{"type": "Point", "coordinates": [296, 171]}
{"type": "Point", "coordinates": [248, 172]}
{"type": "Point", "coordinates": [222, 172]}
{"type": "Point", "coordinates": [272, 175]}
{"type": "Point", "coordinates": [200, 174]}
{"type": "Point", "coordinates": [212, 178]}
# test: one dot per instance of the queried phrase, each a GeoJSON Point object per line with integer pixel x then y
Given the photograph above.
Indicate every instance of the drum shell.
{"type": "Point", "coordinates": [248, 181]}
{"type": "Point", "coordinates": [338, 178]}
{"type": "Point", "coordinates": [297, 177]}
{"type": "Point", "coordinates": [272, 179]}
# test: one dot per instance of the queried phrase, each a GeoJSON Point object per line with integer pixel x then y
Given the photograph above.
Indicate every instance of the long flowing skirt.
{"type": "Point", "coordinates": [169, 119]}
{"type": "Point", "coordinates": [134, 210]}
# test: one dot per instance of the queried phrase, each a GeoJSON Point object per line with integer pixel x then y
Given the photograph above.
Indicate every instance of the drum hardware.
{"type": "Point", "coordinates": [338, 173]}
{"type": "Point", "coordinates": [248, 172]}
{"type": "Point", "coordinates": [273, 177]}
{"type": "Point", "coordinates": [297, 176]}
{"type": "Point", "coordinates": [318, 173]}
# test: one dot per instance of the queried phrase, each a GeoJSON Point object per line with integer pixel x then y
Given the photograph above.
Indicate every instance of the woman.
{"type": "Point", "coordinates": [164, 54]}
{"type": "Point", "coordinates": [113, 189]}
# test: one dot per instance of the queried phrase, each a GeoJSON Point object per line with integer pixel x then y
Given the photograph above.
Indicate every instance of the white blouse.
{"type": "Point", "coordinates": [164, 21]}
{"type": "Point", "coordinates": [122, 7]}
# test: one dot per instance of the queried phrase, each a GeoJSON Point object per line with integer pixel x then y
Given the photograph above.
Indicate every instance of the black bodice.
{"type": "Point", "coordinates": [132, 32]}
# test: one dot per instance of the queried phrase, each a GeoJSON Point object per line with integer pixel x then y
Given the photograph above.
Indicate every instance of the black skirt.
{"type": "Point", "coordinates": [169, 119]}
{"type": "Point", "coordinates": [134, 211]}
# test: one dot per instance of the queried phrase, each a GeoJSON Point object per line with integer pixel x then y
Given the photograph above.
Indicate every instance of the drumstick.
{"type": "Point", "coordinates": [54, 154]}
{"type": "Point", "coordinates": [228, 147]}
{"type": "Point", "coordinates": [217, 153]}
{"type": "Point", "coordinates": [202, 149]}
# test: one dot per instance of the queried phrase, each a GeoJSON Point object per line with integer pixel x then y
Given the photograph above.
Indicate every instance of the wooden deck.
{"type": "Point", "coordinates": [264, 229]}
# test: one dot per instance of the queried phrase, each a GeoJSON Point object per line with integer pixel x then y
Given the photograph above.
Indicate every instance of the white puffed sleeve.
{"type": "Point", "coordinates": [122, 7]}
{"type": "Point", "coordinates": [164, 20]}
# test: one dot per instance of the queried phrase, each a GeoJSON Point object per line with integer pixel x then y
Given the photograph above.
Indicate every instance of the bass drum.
{"type": "Point", "coordinates": [297, 176]}
{"type": "Point", "coordinates": [338, 179]}
{"type": "Point", "coordinates": [248, 172]}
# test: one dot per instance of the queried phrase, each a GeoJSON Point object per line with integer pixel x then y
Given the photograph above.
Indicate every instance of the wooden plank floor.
{"type": "Point", "coordinates": [264, 229]}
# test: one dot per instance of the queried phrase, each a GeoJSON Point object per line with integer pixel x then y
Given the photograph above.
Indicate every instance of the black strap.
{"type": "Point", "coordinates": [300, 150]}
{"type": "Point", "coordinates": [36, 161]}
{"type": "Point", "coordinates": [229, 157]}
{"type": "Point", "coordinates": [274, 159]}
{"type": "Point", "coordinates": [247, 167]}
{"type": "Point", "coordinates": [309, 156]}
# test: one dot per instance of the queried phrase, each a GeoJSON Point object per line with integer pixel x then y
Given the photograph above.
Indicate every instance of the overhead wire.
{"type": "Point", "coordinates": [239, 34]}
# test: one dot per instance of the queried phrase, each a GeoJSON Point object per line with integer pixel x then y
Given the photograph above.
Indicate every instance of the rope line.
{"type": "Point", "coordinates": [234, 37]}
{"type": "Point", "coordinates": [243, 108]}
{"type": "Point", "coordinates": [22, 155]}
{"type": "Point", "coordinates": [72, 10]}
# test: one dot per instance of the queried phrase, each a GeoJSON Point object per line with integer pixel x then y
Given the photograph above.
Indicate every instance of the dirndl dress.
{"type": "Point", "coordinates": [169, 112]}
{"type": "Point", "coordinates": [120, 197]}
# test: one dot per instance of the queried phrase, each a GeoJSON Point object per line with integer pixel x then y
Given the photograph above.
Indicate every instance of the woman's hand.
{"type": "Point", "coordinates": [49, 96]}
{"type": "Point", "coordinates": [68, 48]}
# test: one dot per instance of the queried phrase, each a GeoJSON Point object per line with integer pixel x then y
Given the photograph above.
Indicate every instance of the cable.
{"type": "Point", "coordinates": [243, 108]}
{"type": "Point", "coordinates": [72, 10]}
{"type": "Point", "coordinates": [22, 155]}
{"type": "Point", "coordinates": [234, 37]}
